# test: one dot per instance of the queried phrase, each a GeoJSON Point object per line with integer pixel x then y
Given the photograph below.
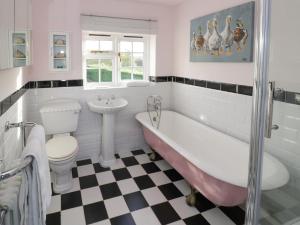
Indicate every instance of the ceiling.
{"type": "Point", "coordinates": [164, 2]}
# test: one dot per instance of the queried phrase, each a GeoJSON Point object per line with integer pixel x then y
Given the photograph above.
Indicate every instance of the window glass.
{"type": "Point", "coordinates": [92, 45]}
{"type": "Point", "coordinates": [138, 46]}
{"type": "Point", "coordinates": [106, 70]}
{"type": "Point", "coordinates": [106, 46]}
{"type": "Point", "coordinates": [138, 59]}
{"type": "Point", "coordinates": [138, 73]}
{"type": "Point", "coordinates": [125, 46]}
{"type": "Point", "coordinates": [125, 59]}
{"type": "Point", "coordinates": [126, 73]}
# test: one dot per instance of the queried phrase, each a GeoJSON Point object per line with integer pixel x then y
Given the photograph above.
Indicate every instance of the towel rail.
{"type": "Point", "coordinates": [3, 211]}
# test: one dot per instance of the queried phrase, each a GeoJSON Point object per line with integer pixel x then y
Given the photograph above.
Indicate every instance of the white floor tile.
{"type": "Point", "coordinates": [154, 196]}
{"type": "Point", "coordinates": [103, 222]}
{"type": "Point", "coordinates": [118, 165]}
{"type": "Point", "coordinates": [55, 205]}
{"type": "Point", "coordinates": [116, 206]}
{"type": "Point", "coordinates": [217, 217]}
{"type": "Point", "coordinates": [142, 159]}
{"type": "Point", "coordinates": [105, 177]}
{"type": "Point", "coordinates": [91, 195]}
{"type": "Point", "coordinates": [179, 223]}
{"type": "Point", "coordinates": [160, 178]}
{"type": "Point", "coordinates": [85, 170]}
{"type": "Point", "coordinates": [125, 154]}
{"type": "Point", "coordinates": [163, 165]}
{"type": "Point", "coordinates": [73, 216]}
{"type": "Point", "coordinates": [136, 171]}
{"type": "Point", "coordinates": [145, 216]}
{"type": "Point", "coordinates": [183, 210]}
{"type": "Point", "coordinates": [183, 186]}
{"type": "Point", "coordinates": [127, 186]}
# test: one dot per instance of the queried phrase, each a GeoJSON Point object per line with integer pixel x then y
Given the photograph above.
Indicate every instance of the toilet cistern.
{"type": "Point", "coordinates": [107, 107]}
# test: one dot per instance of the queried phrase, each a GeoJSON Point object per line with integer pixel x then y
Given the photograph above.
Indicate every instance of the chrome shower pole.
{"type": "Point", "coordinates": [259, 108]}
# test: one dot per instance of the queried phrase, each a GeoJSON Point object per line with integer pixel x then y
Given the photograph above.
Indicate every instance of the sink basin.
{"type": "Point", "coordinates": [107, 108]}
{"type": "Point", "coordinates": [107, 105]}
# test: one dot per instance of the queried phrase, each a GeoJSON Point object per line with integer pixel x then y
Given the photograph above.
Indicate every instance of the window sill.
{"type": "Point", "coordinates": [107, 87]}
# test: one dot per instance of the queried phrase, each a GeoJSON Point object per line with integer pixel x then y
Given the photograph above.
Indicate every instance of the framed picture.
{"type": "Point", "coordinates": [224, 36]}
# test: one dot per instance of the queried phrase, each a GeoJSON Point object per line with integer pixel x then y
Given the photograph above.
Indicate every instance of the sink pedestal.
{"type": "Point", "coordinates": [107, 155]}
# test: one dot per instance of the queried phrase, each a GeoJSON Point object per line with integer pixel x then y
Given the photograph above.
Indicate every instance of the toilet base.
{"type": "Point", "coordinates": [106, 163]}
{"type": "Point", "coordinates": [62, 182]}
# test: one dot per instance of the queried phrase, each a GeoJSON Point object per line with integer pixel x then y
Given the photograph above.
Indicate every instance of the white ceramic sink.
{"type": "Point", "coordinates": [108, 105]}
{"type": "Point", "coordinates": [107, 108]}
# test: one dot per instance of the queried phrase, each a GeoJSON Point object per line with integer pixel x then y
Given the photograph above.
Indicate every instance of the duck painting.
{"type": "Point", "coordinates": [199, 40]}
{"type": "Point", "coordinates": [207, 35]}
{"type": "Point", "coordinates": [215, 40]}
{"type": "Point", "coordinates": [228, 35]}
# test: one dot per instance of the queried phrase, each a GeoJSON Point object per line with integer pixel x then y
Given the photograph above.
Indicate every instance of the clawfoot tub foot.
{"type": "Point", "coordinates": [152, 156]}
{"type": "Point", "coordinates": [191, 198]}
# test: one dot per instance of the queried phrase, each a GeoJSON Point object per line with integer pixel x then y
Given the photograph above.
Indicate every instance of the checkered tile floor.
{"type": "Point", "coordinates": [134, 191]}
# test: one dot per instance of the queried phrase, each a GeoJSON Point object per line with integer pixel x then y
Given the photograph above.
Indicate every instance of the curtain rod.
{"type": "Point", "coordinates": [111, 17]}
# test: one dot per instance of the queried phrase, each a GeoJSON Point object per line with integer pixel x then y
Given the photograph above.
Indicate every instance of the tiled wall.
{"type": "Point", "coordinates": [11, 141]}
{"type": "Point", "coordinates": [128, 132]}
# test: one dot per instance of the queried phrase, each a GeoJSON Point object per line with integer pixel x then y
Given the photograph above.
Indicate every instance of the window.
{"type": "Point", "coordinates": [110, 59]}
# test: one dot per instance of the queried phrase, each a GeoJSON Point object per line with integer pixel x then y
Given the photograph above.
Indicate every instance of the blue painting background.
{"type": "Point", "coordinates": [244, 12]}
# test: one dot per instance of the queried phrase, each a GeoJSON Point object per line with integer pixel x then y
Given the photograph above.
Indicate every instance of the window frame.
{"type": "Point", "coordinates": [114, 56]}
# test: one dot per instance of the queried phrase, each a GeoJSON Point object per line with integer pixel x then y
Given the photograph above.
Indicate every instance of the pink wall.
{"type": "Point", "coordinates": [58, 15]}
{"type": "Point", "coordinates": [240, 73]}
{"type": "Point", "coordinates": [11, 80]}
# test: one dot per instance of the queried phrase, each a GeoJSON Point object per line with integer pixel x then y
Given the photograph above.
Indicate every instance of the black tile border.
{"type": "Point", "coordinates": [6, 103]}
{"type": "Point", "coordinates": [280, 95]}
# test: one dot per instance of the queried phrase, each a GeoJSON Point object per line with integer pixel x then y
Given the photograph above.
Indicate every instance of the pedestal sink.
{"type": "Point", "coordinates": [108, 108]}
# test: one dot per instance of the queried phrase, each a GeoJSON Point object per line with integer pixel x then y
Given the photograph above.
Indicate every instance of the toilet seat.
{"type": "Point", "coordinates": [61, 148]}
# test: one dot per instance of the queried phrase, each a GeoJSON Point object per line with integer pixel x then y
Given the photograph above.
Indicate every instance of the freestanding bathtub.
{"type": "Point", "coordinates": [214, 163]}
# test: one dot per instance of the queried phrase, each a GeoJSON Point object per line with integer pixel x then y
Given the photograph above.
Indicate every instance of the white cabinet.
{"type": "Point", "coordinates": [59, 52]}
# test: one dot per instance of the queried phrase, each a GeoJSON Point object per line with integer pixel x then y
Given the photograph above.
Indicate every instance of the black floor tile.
{"type": "Point", "coordinates": [130, 161]}
{"type": "Point", "coordinates": [170, 191]}
{"type": "Point", "coordinates": [110, 190]}
{"type": "Point", "coordinates": [165, 213]}
{"type": "Point", "coordinates": [173, 175]}
{"type": "Point", "coordinates": [135, 201]}
{"type": "Point", "coordinates": [95, 212]}
{"type": "Point", "coordinates": [144, 182]}
{"type": "Point", "coordinates": [123, 220]}
{"type": "Point", "coordinates": [71, 200]}
{"type": "Point", "coordinates": [202, 203]}
{"type": "Point", "coordinates": [88, 181]}
{"type": "Point", "coordinates": [74, 172]}
{"type": "Point", "coordinates": [138, 152]}
{"type": "Point", "coordinates": [84, 162]}
{"type": "Point", "coordinates": [150, 167]}
{"type": "Point", "coordinates": [236, 214]}
{"type": "Point", "coordinates": [196, 220]}
{"type": "Point", "coordinates": [53, 219]}
{"type": "Point", "coordinates": [98, 168]}
{"type": "Point", "coordinates": [121, 174]}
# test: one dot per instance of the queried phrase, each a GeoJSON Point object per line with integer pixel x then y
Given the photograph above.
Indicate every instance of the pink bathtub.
{"type": "Point", "coordinates": [212, 162]}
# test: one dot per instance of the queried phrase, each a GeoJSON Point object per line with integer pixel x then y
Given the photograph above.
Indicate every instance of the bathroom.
{"type": "Point", "coordinates": [135, 126]}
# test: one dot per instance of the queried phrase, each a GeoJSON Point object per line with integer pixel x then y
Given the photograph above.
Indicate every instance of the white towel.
{"type": "Point", "coordinates": [35, 191]}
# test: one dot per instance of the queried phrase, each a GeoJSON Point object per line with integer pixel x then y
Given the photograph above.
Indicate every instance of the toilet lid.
{"type": "Point", "coordinates": [61, 147]}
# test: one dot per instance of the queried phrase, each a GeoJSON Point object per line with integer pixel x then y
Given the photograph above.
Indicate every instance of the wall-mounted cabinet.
{"type": "Point", "coordinates": [59, 52]}
{"type": "Point", "coordinates": [15, 33]}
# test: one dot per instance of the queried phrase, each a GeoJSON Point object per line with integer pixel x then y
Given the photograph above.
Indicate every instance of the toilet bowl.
{"type": "Point", "coordinates": [60, 119]}
{"type": "Point", "coordinates": [62, 152]}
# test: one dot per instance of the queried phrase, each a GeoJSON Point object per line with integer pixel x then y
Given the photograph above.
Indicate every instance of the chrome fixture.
{"type": "Point", "coordinates": [259, 109]}
{"type": "Point", "coordinates": [3, 211]}
{"type": "Point", "coordinates": [154, 106]}
{"type": "Point", "coordinates": [22, 125]}
{"type": "Point", "coordinates": [269, 122]}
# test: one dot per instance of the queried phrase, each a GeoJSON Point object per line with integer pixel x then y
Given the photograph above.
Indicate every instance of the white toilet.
{"type": "Point", "coordinates": [60, 119]}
